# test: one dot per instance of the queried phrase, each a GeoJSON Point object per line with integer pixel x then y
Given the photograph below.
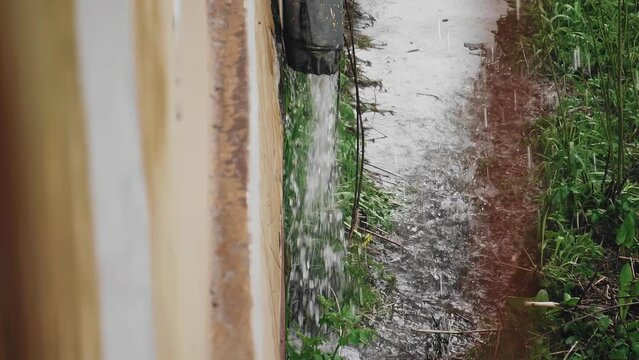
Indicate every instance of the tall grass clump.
{"type": "Point", "coordinates": [589, 150]}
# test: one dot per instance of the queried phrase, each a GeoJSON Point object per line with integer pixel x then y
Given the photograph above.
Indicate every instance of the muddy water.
{"type": "Point", "coordinates": [436, 155]}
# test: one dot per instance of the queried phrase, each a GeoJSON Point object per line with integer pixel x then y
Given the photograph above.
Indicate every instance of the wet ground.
{"type": "Point", "coordinates": [505, 242]}
{"type": "Point", "coordinates": [467, 221]}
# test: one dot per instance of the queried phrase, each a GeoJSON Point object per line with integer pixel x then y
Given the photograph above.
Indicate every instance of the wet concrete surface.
{"type": "Point", "coordinates": [435, 60]}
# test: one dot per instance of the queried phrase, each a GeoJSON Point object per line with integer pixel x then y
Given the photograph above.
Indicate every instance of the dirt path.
{"type": "Point", "coordinates": [429, 59]}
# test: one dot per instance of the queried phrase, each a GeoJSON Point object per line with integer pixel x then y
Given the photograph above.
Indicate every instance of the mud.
{"type": "Point", "coordinates": [504, 249]}
{"type": "Point", "coordinates": [467, 221]}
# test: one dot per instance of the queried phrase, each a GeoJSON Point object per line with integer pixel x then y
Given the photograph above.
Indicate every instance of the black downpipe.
{"type": "Point", "coordinates": [313, 35]}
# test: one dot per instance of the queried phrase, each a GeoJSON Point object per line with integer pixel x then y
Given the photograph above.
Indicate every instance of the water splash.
{"type": "Point", "coordinates": [315, 237]}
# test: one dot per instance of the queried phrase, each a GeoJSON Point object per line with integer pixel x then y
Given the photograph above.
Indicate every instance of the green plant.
{"type": "Point", "coordinates": [340, 325]}
{"type": "Point", "coordinates": [589, 150]}
{"type": "Point", "coordinates": [343, 323]}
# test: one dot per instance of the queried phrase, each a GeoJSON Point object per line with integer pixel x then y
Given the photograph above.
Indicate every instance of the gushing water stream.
{"type": "Point", "coordinates": [316, 233]}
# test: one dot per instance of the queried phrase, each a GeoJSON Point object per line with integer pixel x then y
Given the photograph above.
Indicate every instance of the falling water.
{"type": "Point", "coordinates": [316, 233]}
{"type": "Point", "coordinates": [485, 117]}
{"type": "Point", "coordinates": [576, 58]}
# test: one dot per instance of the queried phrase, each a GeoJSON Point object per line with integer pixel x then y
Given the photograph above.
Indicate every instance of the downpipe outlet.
{"type": "Point", "coordinates": [313, 35]}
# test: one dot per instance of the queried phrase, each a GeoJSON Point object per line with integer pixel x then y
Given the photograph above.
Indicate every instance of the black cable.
{"type": "Point", "coordinates": [359, 132]}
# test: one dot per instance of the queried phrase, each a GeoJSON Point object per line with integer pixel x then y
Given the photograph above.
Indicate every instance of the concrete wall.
{"type": "Point", "coordinates": [141, 195]}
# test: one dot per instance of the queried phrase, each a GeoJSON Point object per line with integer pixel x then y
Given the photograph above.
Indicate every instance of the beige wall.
{"type": "Point", "coordinates": [49, 299]}
{"type": "Point", "coordinates": [269, 126]}
{"type": "Point", "coordinates": [175, 107]}
{"type": "Point", "coordinates": [141, 196]}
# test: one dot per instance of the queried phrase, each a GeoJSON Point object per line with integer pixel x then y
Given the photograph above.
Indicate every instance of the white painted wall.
{"type": "Point", "coordinates": [107, 59]}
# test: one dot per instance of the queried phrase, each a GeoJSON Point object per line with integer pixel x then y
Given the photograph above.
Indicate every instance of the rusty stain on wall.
{"type": "Point", "coordinates": [230, 288]}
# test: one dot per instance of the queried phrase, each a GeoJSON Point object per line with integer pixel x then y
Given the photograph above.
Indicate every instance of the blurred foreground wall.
{"type": "Point", "coordinates": [140, 180]}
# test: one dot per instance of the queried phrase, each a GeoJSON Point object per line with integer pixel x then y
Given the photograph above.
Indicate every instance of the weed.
{"type": "Point", "coordinates": [340, 324]}
{"type": "Point", "coordinates": [341, 321]}
{"type": "Point", "coordinates": [588, 147]}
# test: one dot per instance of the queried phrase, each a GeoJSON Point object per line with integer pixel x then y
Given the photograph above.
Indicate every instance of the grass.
{"type": "Point", "coordinates": [341, 315]}
{"type": "Point", "coordinates": [589, 150]}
